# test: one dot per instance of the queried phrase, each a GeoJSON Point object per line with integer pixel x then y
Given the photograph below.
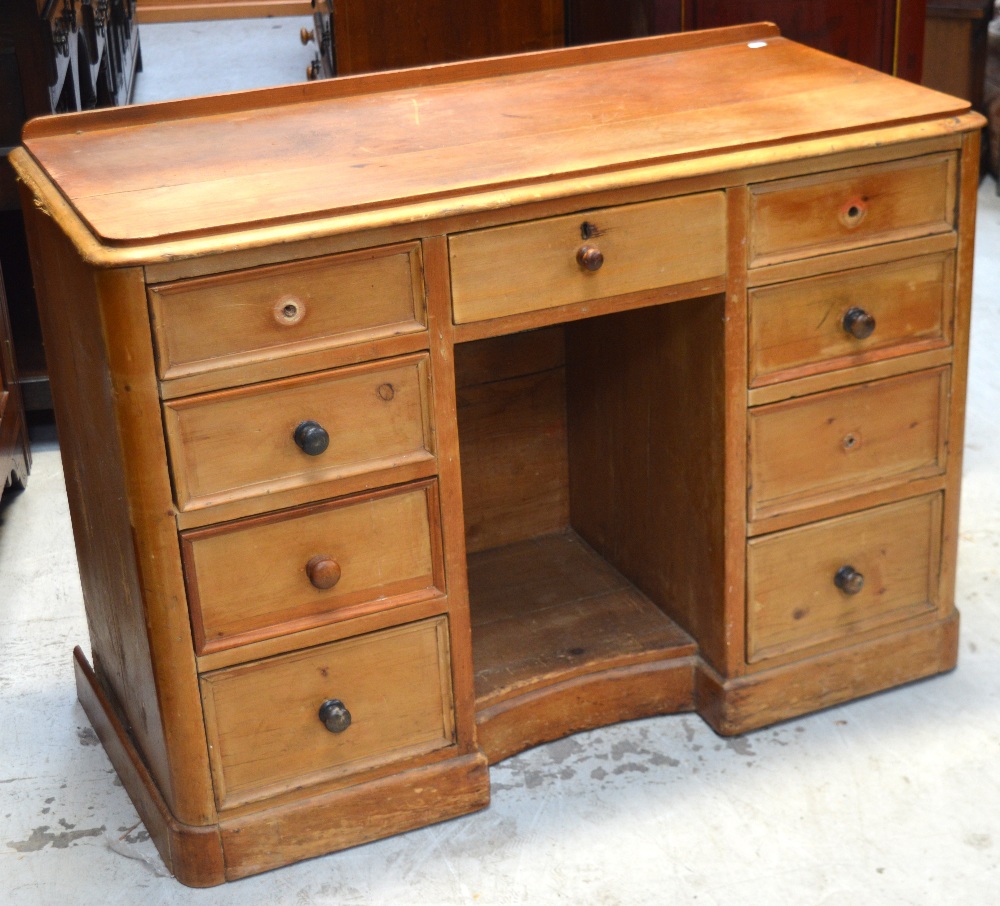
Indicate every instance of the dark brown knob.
{"type": "Point", "coordinates": [311, 438]}
{"type": "Point", "coordinates": [590, 258]}
{"type": "Point", "coordinates": [849, 580]}
{"type": "Point", "coordinates": [859, 323]}
{"type": "Point", "coordinates": [323, 571]}
{"type": "Point", "coordinates": [335, 716]}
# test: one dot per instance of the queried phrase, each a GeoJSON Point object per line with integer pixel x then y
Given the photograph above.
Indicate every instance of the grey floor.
{"type": "Point", "coordinates": [891, 800]}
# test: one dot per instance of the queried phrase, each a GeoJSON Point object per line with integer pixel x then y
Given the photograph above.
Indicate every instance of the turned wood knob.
{"type": "Point", "coordinates": [312, 438]}
{"type": "Point", "coordinates": [305, 36]}
{"type": "Point", "coordinates": [859, 323]}
{"type": "Point", "coordinates": [335, 716]}
{"type": "Point", "coordinates": [323, 571]}
{"type": "Point", "coordinates": [590, 258]}
{"type": "Point", "coordinates": [313, 70]}
{"type": "Point", "coordinates": [849, 580]}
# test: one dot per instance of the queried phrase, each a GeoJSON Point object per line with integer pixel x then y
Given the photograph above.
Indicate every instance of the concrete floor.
{"type": "Point", "coordinates": [890, 800]}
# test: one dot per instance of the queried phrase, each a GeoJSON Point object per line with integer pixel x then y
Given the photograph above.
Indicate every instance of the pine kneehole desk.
{"type": "Point", "coordinates": [413, 419]}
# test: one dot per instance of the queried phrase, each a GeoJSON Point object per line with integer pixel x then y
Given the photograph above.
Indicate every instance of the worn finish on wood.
{"type": "Point", "coordinates": [836, 445]}
{"type": "Point", "coordinates": [799, 328]}
{"type": "Point", "coordinates": [525, 267]}
{"type": "Point", "coordinates": [253, 316]}
{"type": "Point", "coordinates": [891, 556]}
{"type": "Point", "coordinates": [313, 564]}
{"type": "Point", "coordinates": [264, 729]}
{"type": "Point", "coordinates": [390, 430]}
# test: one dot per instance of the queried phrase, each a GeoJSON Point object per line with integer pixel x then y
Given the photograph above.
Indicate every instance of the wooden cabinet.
{"type": "Point", "coordinates": [432, 415]}
{"type": "Point", "coordinates": [353, 36]}
{"type": "Point", "coordinates": [15, 452]}
{"type": "Point", "coordinates": [884, 34]}
{"type": "Point", "coordinates": [56, 56]}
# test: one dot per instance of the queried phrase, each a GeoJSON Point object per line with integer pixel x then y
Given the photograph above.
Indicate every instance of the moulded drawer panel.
{"type": "Point", "coordinates": [794, 601]}
{"type": "Point", "coordinates": [803, 327]}
{"type": "Point", "coordinates": [265, 733]}
{"type": "Point", "coordinates": [527, 267]}
{"type": "Point", "coordinates": [814, 215]}
{"type": "Point", "coordinates": [836, 445]}
{"type": "Point", "coordinates": [285, 571]}
{"type": "Point", "coordinates": [245, 316]}
{"type": "Point", "coordinates": [241, 443]}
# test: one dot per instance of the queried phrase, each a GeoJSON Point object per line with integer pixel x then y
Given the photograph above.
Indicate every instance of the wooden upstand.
{"type": "Point", "coordinates": [410, 420]}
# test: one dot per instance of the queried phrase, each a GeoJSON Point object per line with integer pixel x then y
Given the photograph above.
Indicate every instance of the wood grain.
{"type": "Point", "coordinates": [820, 214]}
{"type": "Point", "coordinates": [836, 445]}
{"type": "Point", "coordinates": [797, 329]}
{"type": "Point", "coordinates": [256, 315]}
{"type": "Point", "coordinates": [525, 267]}
{"type": "Point", "coordinates": [248, 580]}
{"type": "Point", "coordinates": [792, 601]}
{"type": "Point", "coordinates": [398, 143]}
{"type": "Point", "coordinates": [264, 732]}
{"type": "Point", "coordinates": [240, 443]}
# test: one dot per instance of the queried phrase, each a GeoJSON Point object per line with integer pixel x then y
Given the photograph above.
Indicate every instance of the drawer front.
{"type": "Point", "coordinates": [264, 728]}
{"type": "Point", "coordinates": [836, 445]}
{"type": "Point", "coordinates": [248, 316]}
{"type": "Point", "coordinates": [242, 443]}
{"type": "Point", "coordinates": [288, 571]}
{"type": "Point", "coordinates": [841, 577]}
{"type": "Point", "coordinates": [850, 318]}
{"type": "Point", "coordinates": [532, 266]}
{"type": "Point", "coordinates": [814, 215]}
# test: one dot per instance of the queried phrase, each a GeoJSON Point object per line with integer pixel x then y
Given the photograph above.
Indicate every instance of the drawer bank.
{"type": "Point", "coordinates": [413, 419]}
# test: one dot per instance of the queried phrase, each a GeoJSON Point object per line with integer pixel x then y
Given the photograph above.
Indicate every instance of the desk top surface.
{"type": "Point", "coordinates": [210, 165]}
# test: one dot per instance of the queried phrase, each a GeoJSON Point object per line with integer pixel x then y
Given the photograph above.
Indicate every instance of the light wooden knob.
{"type": "Point", "coordinates": [849, 580]}
{"type": "Point", "coordinates": [590, 258]}
{"type": "Point", "coordinates": [335, 716]}
{"type": "Point", "coordinates": [323, 571]}
{"type": "Point", "coordinates": [305, 36]}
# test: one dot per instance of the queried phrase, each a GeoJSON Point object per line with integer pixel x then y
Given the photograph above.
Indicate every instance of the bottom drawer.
{"type": "Point", "coordinates": [837, 578]}
{"type": "Point", "coordinates": [384, 696]}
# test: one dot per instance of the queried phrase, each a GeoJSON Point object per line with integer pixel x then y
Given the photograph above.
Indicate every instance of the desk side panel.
{"type": "Point", "coordinates": [111, 439]}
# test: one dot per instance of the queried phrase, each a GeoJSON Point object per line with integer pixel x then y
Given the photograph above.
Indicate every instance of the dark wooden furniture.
{"type": "Point", "coordinates": [368, 35]}
{"type": "Point", "coordinates": [56, 56]}
{"type": "Point", "coordinates": [427, 416]}
{"type": "Point", "coordinates": [883, 34]}
{"type": "Point", "coordinates": [15, 453]}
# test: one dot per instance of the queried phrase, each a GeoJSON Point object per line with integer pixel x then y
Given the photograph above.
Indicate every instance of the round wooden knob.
{"type": "Point", "coordinates": [590, 258]}
{"type": "Point", "coordinates": [859, 323]}
{"type": "Point", "coordinates": [312, 71]}
{"type": "Point", "coordinates": [323, 571]}
{"type": "Point", "coordinates": [335, 716]}
{"type": "Point", "coordinates": [305, 36]}
{"type": "Point", "coordinates": [849, 580]}
{"type": "Point", "coordinates": [311, 438]}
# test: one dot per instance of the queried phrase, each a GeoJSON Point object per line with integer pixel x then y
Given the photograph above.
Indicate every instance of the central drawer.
{"type": "Point", "coordinates": [287, 571]}
{"type": "Point", "coordinates": [300, 431]}
{"type": "Point", "coordinates": [302, 718]}
{"type": "Point", "coordinates": [542, 264]}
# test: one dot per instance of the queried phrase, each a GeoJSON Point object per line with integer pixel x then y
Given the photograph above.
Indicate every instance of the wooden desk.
{"type": "Point", "coordinates": [413, 419]}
